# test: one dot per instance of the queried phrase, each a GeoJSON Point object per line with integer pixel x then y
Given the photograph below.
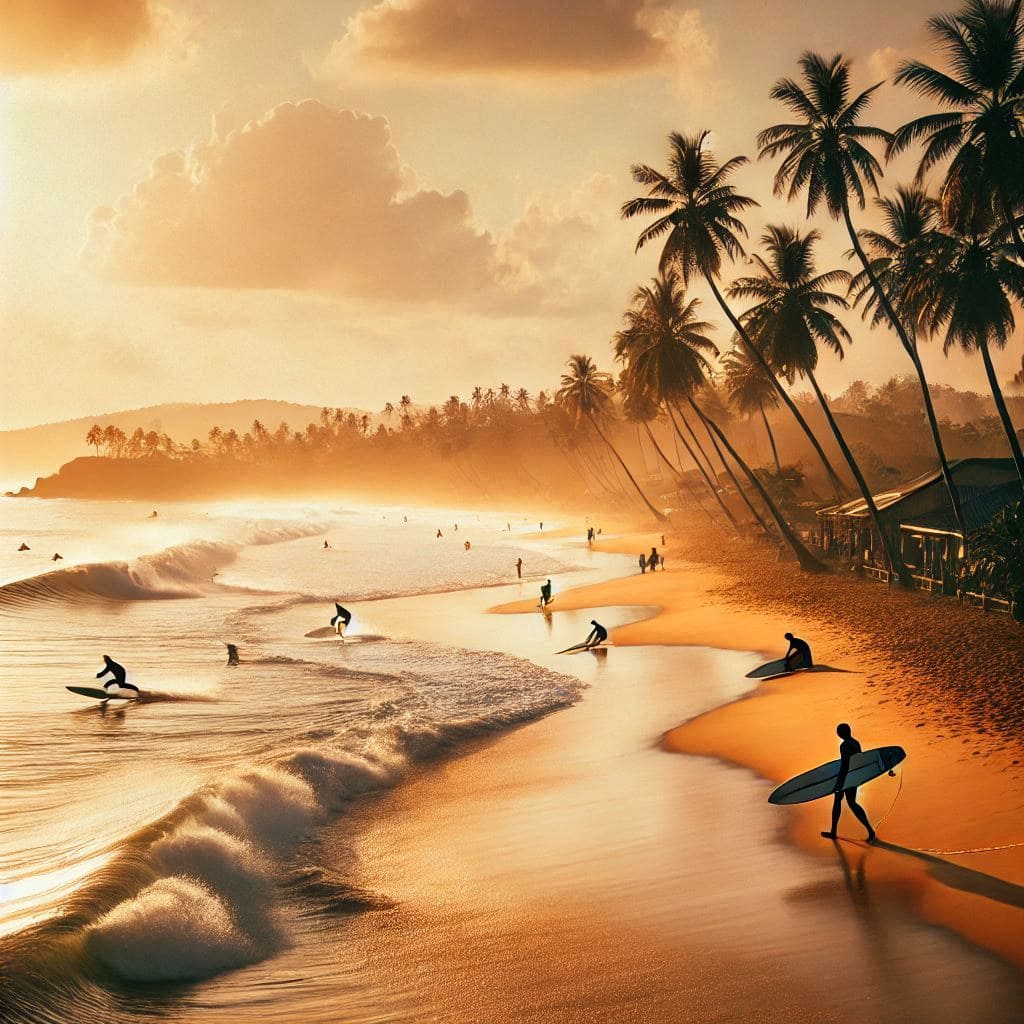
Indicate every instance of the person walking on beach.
{"type": "Point", "coordinates": [652, 561]}
{"type": "Point", "coordinates": [847, 748]}
{"type": "Point", "coordinates": [597, 635]}
{"type": "Point", "coordinates": [341, 620]}
{"type": "Point", "coordinates": [118, 672]}
{"type": "Point", "coordinates": [519, 567]}
{"type": "Point", "coordinates": [439, 534]}
{"type": "Point", "coordinates": [643, 563]}
{"type": "Point", "coordinates": [798, 655]}
{"type": "Point", "coordinates": [545, 594]}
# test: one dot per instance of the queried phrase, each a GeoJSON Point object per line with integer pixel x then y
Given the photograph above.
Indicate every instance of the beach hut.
{"type": "Point", "coordinates": [846, 530]}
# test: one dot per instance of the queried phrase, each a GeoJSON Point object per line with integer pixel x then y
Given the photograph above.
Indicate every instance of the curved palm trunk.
{"type": "Point", "coordinates": [807, 561]}
{"type": "Point", "coordinates": [740, 490]}
{"type": "Point", "coordinates": [892, 563]}
{"type": "Point", "coordinates": [910, 347]}
{"type": "Point", "coordinates": [696, 440]}
{"type": "Point", "coordinates": [837, 484]}
{"type": "Point", "coordinates": [712, 488]}
{"type": "Point", "coordinates": [771, 438]}
{"type": "Point", "coordinates": [680, 479]}
{"type": "Point", "coordinates": [1004, 413]}
{"type": "Point", "coordinates": [660, 516]}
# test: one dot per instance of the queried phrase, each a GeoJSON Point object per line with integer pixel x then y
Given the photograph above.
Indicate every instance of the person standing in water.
{"type": "Point", "coordinates": [545, 594]}
{"type": "Point", "coordinates": [341, 620]}
{"type": "Point", "coordinates": [519, 567]}
{"type": "Point", "coordinates": [798, 655]}
{"type": "Point", "coordinates": [597, 635]}
{"type": "Point", "coordinates": [118, 672]}
{"type": "Point", "coordinates": [847, 748]}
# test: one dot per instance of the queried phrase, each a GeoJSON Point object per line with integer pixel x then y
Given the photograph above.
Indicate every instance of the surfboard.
{"type": "Point", "coordinates": [590, 647]}
{"type": "Point", "coordinates": [821, 781]}
{"type": "Point", "coordinates": [91, 691]}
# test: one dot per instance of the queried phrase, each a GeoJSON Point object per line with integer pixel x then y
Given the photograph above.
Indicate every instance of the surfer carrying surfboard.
{"type": "Point", "coordinates": [847, 749]}
{"type": "Point", "coordinates": [118, 672]}
{"type": "Point", "coordinates": [342, 619]}
{"type": "Point", "coordinates": [798, 655]}
{"type": "Point", "coordinates": [597, 635]}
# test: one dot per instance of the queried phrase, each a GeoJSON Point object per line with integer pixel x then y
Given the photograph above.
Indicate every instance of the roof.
{"type": "Point", "coordinates": [977, 511]}
{"type": "Point", "coordinates": [858, 508]}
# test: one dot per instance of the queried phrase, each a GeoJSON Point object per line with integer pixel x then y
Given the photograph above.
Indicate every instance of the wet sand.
{"type": "Point", "coordinates": [576, 871]}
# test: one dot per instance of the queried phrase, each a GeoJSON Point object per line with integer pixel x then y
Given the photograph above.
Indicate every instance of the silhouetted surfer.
{"type": "Point", "coordinates": [545, 594]}
{"type": "Point", "coordinates": [597, 635]}
{"type": "Point", "coordinates": [519, 568]}
{"type": "Point", "coordinates": [118, 672]}
{"type": "Point", "coordinates": [24, 547]}
{"type": "Point", "coordinates": [232, 654]}
{"type": "Point", "coordinates": [847, 749]}
{"type": "Point", "coordinates": [342, 619]}
{"type": "Point", "coordinates": [57, 557]}
{"type": "Point", "coordinates": [799, 653]}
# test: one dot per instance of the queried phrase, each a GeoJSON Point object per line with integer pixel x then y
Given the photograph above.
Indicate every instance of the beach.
{"type": "Point", "coordinates": [451, 821]}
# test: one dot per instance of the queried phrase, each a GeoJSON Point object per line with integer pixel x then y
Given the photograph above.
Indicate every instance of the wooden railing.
{"type": "Point", "coordinates": [986, 602]}
{"type": "Point", "coordinates": [874, 573]}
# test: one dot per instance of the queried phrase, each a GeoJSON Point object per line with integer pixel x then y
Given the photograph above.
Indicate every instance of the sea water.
{"type": "Point", "coordinates": [152, 841]}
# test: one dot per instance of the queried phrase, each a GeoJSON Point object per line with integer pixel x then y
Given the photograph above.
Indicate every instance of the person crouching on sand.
{"type": "Point", "coordinates": [118, 672]}
{"type": "Point", "coordinates": [597, 635]}
{"type": "Point", "coordinates": [798, 655]}
{"type": "Point", "coordinates": [847, 749]}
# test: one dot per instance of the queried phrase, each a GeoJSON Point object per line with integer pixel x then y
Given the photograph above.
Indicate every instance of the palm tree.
{"type": "Point", "coordinates": [792, 315]}
{"type": "Point", "coordinates": [95, 437]}
{"type": "Point", "coordinates": [587, 393]}
{"type": "Point", "coordinates": [899, 254]}
{"type": "Point", "coordinates": [749, 390]}
{"type": "Point", "coordinates": [697, 208]}
{"type": "Point", "coordinates": [966, 289]}
{"type": "Point", "coordinates": [981, 131]}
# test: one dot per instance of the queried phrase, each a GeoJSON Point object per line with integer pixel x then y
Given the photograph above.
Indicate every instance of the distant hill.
{"type": "Point", "coordinates": [38, 451]}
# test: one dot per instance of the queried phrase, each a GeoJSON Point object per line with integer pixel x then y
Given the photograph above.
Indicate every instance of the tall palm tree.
{"type": "Point", "coordinates": [792, 316]}
{"type": "Point", "coordinates": [664, 345]}
{"type": "Point", "coordinates": [749, 390]}
{"type": "Point", "coordinates": [981, 131]}
{"type": "Point", "coordinates": [697, 209]}
{"type": "Point", "coordinates": [899, 254]}
{"type": "Point", "coordinates": [966, 290]}
{"type": "Point", "coordinates": [586, 393]}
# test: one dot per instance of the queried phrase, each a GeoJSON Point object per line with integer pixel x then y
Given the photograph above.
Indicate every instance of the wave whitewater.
{"type": "Point", "coordinates": [182, 571]}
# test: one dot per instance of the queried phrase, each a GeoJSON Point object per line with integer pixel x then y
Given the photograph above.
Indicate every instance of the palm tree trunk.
{"type": "Point", "coordinates": [892, 563]}
{"type": "Point", "coordinates": [660, 516]}
{"type": "Point", "coordinates": [681, 480]}
{"type": "Point", "coordinates": [807, 561]}
{"type": "Point", "coordinates": [696, 440]}
{"type": "Point", "coordinates": [732, 476]}
{"type": "Point", "coordinates": [910, 347]}
{"type": "Point", "coordinates": [712, 487]}
{"type": "Point", "coordinates": [771, 438]}
{"type": "Point", "coordinates": [643, 454]}
{"type": "Point", "coordinates": [837, 484]}
{"type": "Point", "coordinates": [1004, 413]}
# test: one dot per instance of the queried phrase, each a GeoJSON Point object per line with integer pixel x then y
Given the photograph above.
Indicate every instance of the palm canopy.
{"type": "Point", "coordinates": [824, 152]}
{"type": "Point", "coordinates": [898, 254]}
{"type": "Point", "coordinates": [746, 383]}
{"type": "Point", "coordinates": [695, 206]}
{"type": "Point", "coordinates": [793, 311]}
{"type": "Point", "coordinates": [663, 343]}
{"type": "Point", "coordinates": [981, 130]}
{"type": "Point", "coordinates": [585, 391]}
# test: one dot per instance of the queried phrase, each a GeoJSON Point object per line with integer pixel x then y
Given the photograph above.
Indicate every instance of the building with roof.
{"type": "Point", "coordinates": [918, 517]}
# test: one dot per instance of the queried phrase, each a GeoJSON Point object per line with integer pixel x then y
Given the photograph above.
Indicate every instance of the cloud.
{"type": "Point", "coordinates": [307, 198]}
{"type": "Point", "coordinates": [39, 36]}
{"type": "Point", "coordinates": [524, 37]}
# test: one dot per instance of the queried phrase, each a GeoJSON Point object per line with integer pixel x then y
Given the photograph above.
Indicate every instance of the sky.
{"type": "Point", "coordinates": [339, 202]}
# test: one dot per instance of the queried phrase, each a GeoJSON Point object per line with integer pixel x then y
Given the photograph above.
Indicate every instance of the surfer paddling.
{"type": "Point", "coordinates": [341, 620]}
{"type": "Point", "coordinates": [597, 635]}
{"type": "Point", "coordinates": [847, 749]}
{"type": "Point", "coordinates": [119, 675]}
{"type": "Point", "coordinates": [798, 655]}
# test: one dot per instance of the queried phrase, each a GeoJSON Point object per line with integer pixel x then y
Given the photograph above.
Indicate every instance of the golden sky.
{"type": "Point", "coordinates": [342, 201]}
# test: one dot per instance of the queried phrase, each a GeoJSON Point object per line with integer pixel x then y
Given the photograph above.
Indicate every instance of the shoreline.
{"type": "Point", "coordinates": [962, 781]}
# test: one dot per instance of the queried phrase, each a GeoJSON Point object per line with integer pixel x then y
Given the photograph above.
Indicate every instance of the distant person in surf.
{"type": "Point", "coordinates": [153, 514]}
{"type": "Point", "coordinates": [341, 620]}
{"type": "Point", "coordinates": [24, 547]}
{"type": "Point", "coordinates": [545, 594]}
{"type": "Point", "coordinates": [326, 545]}
{"type": "Point", "coordinates": [118, 672]}
{"type": "Point", "coordinates": [439, 534]}
{"type": "Point", "coordinates": [57, 557]}
{"type": "Point", "coordinates": [798, 655]}
{"type": "Point", "coordinates": [467, 545]}
{"type": "Point", "coordinates": [847, 748]}
{"type": "Point", "coordinates": [232, 654]}
{"type": "Point", "coordinates": [597, 635]}
{"type": "Point", "coordinates": [643, 563]}
{"type": "Point", "coordinates": [519, 568]}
